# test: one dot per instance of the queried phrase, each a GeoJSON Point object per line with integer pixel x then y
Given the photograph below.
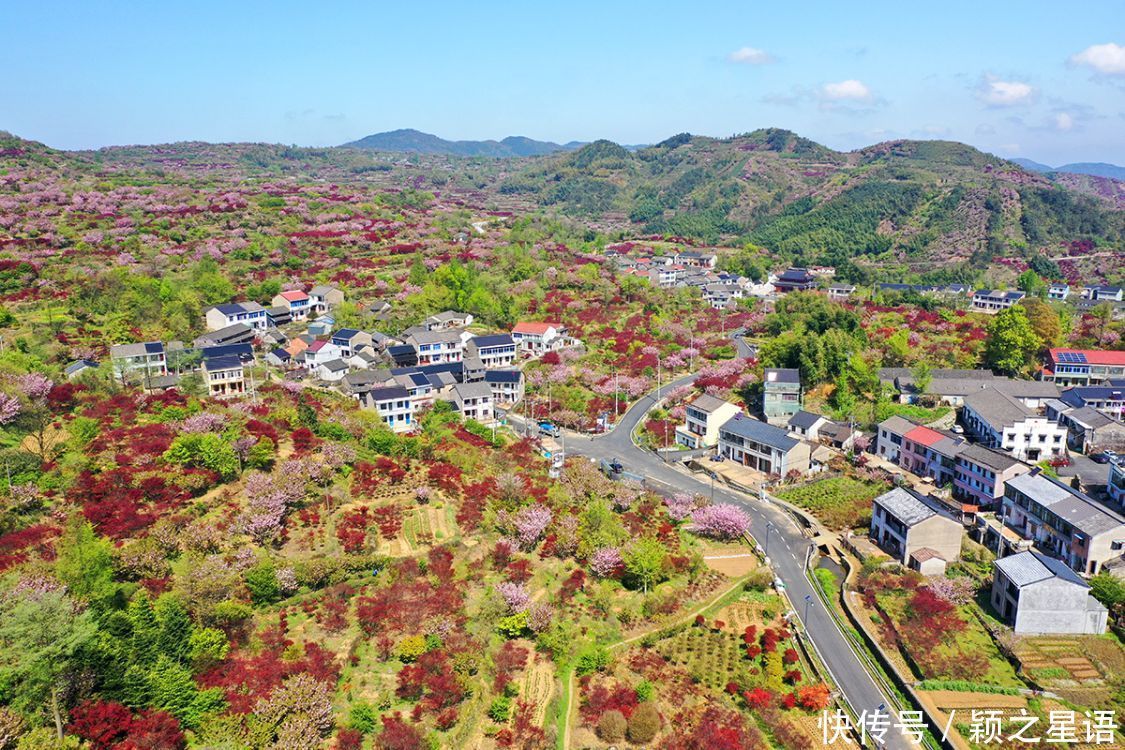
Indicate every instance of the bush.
{"type": "Point", "coordinates": [410, 648]}
{"type": "Point", "coordinates": [644, 724]}
{"type": "Point", "coordinates": [500, 709]}
{"type": "Point", "coordinates": [262, 582]}
{"type": "Point", "coordinates": [644, 691]}
{"type": "Point", "coordinates": [964, 686]}
{"type": "Point", "coordinates": [612, 726]}
{"type": "Point", "coordinates": [363, 718]}
{"type": "Point", "coordinates": [592, 658]}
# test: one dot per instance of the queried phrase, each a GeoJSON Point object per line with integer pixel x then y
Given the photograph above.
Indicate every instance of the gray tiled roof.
{"type": "Point", "coordinates": [1026, 568]}
{"type": "Point", "coordinates": [994, 460]}
{"type": "Point", "coordinates": [778, 375]}
{"type": "Point", "coordinates": [896, 424]}
{"type": "Point", "coordinates": [804, 419]}
{"type": "Point", "coordinates": [707, 403]}
{"type": "Point", "coordinates": [1076, 508]}
{"type": "Point", "coordinates": [472, 390]}
{"type": "Point", "coordinates": [760, 432]}
{"type": "Point", "coordinates": [997, 408]}
{"type": "Point", "coordinates": [905, 507]}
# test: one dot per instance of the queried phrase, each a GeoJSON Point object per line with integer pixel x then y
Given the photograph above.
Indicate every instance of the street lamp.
{"type": "Point", "coordinates": [808, 601]}
{"type": "Point", "coordinates": [769, 528]}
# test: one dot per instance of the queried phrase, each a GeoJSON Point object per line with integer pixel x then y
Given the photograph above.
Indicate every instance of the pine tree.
{"type": "Point", "coordinates": [175, 628]}
{"type": "Point", "coordinates": [144, 639]}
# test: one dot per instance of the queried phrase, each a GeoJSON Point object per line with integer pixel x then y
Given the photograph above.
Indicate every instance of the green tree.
{"type": "Point", "coordinates": [145, 631]}
{"type": "Point", "coordinates": [646, 562]}
{"type": "Point", "coordinates": [262, 582]}
{"type": "Point", "coordinates": [1044, 320]}
{"type": "Point", "coordinates": [175, 626]}
{"type": "Point", "coordinates": [1012, 343]}
{"type": "Point", "coordinates": [42, 634]}
{"type": "Point", "coordinates": [207, 647]}
{"type": "Point", "coordinates": [1031, 283]}
{"type": "Point", "coordinates": [85, 561]}
{"type": "Point", "coordinates": [207, 450]}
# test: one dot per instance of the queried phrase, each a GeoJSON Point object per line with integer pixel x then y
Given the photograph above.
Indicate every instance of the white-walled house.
{"type": "Point", "coordinates": [249, 313]}
{"type": "Point", "coordinates": [320, 352]}
{"type": "Point", "coordinates": [434, 347]}
{"type": "Point", "coordinates": [298, 303]}
{"type": "Point", "coordinates": [394, 405]}
{"type": "Point", "coordinates": [702, 419]}
{"type": "Point", "coordinates": [998, 420]}
{"type": "Point", "coordinates": [539, 338]}
{"type": "Point", "coordinates": [916, 534]}
{"type": "Point", "coordinates": [1038, 595]}
{"type": "Point", "coordinates": [473, 401]}
{"type": "Point", "coordinates": [324, 297]}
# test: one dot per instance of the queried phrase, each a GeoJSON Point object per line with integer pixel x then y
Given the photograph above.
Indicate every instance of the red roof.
{"type": "Point", "coordinates": [535, 329]}
{"type": "Point", "coordinates": [294, 296]}
{"type": "Point", "coordinates": [316, 346]}
{"type": "Point", "coordinates": [923, 436]}
{"type": "Point", "coordinates": [1093, 356]}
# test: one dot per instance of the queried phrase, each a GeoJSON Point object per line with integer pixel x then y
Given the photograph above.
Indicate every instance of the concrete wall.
{"type": "Point", "coordinates": [1052, 606]}
{"type": "Point", "coordinates": [940, 534]}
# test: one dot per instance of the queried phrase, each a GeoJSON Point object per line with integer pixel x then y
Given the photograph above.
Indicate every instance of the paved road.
{"type": "Point", "coordinates": [786, 548]}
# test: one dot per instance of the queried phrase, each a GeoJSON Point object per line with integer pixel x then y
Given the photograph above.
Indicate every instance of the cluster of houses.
{"type": "Point", "coordinates": [795, 442]}
{"type": "Point", "coordinates": [985, 478]}
{"type": "Point", "coordinates": [439, 359]}
{"type": "Point", "coordinates": [995, 300]}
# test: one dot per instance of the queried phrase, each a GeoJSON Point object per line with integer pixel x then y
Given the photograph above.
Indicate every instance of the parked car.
{"type": "Point", "coordinates": [958, 429]}
{"type": "Point", "coordinates": [1101, 458]}
{"type": "Point", "coordinates": [1059, 462]}
{"type": "Point", "coordinates": [718, 458]}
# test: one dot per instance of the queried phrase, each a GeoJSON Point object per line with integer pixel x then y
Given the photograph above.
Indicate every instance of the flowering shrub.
{"type": "Point", "coordinates": [721, 521]}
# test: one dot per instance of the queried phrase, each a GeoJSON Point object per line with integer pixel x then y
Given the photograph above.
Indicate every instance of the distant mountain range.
{"type": "Point", "coordinates": [1097, 169]}
{"type": "Point", "coordinates": [416, 142]}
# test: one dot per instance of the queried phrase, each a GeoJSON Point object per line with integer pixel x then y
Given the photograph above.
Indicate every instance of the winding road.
{"type": "Point", "coordinates": [773, 529]}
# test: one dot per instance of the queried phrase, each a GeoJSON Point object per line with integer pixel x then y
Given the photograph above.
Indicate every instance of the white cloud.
{"type": "Point", "coordinates": [997, 93]}
{"type": "Point", "coordinates": [1104, 58]}
{"type": "Point", "coordinates": [850, 90]}
{"type": "Point", "coordinates": [750, 56]}
{"type": "Point", "coordinates": [1063, 121]}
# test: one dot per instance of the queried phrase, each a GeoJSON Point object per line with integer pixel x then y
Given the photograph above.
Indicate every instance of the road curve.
{"type": "Point", "coordinates": [774, 530]}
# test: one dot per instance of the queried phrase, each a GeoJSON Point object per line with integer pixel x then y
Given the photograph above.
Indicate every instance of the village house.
{"type": "Point", "coordinates": [320, 352]}
{"type": "Point", "coordinates": [495, 350]}
{"type": "Point", "coordinates": [980, 477]}
{"type": "Point", "coordinates": [807, 425]}
{"type": "Point", "coordinates": [539, 338]}
{"type": "Point", "coordinates": [298, 303]}
{"type": "Point", "coordinates": [696, 259]}
{"type": "Point", "coordinates": [1108, 399]}
{"type": "Point", "coordinates": [279, 358]}
{"type": "Point", "coordinates": [473, 401]}
{"type": "Point", "coordinates": [224, 376]}
{"type": "Point", "coordinates": [1058, 291]}
{"type": "Point", "coordinates": [794, 280]}
{"type": "Point", "coordinates": [1088, 430]}
{"type": "Point", "coordinates": [147, 359]}
{"type": "Point", "coordinates": [324, 297]}
{"type": "Point", "coordinates": [890, 437]}
{"type": "Point", "coordinates": [840, 292]}
{"type": "Point", "coordinates": [920, 536]}
{"type": "Point", "coordinates": [1103, 293]}
{"type": "Point", "coordinates": [702, 419]}
{"type": "Point", "coordinates": [237, 333]}
{"type": "Point", "coordinates": [379, 309]}
{"type": "Point", "coordinates": [393, 404]}
{"type": "Point", "coordinates": [1060, 522]}
{"type": "Point", "coordinates": [1083, 366]}
{"type": "Point", "coordinates": [720, 295]}
{"type": "Point", "coordinates": [1038, 595]}
{"type": "Point", "coordinates": [998, 420]}
{"type": "Point", "coordinates": [436, 346]}
{"type": "Point", "coordinates": [448, 320]}
{"type": "Point", "coordinates": [763, 447]}
{"type": "Point", "coordinates": [781, 394]}
{"type": "Point", "coordinates": [364, 359]}
{"type": "Point", "coordinates": [994, 300]}
{"type": "Point", "coordinates": [404, 355]}
{"type": "Point", "coordinates": [279, 315]}
{"type": "Point", "coordinates": [331, 371]}
{"type": "Point", "coordinates": [952, 386]}
{"type": "Point", "coordinates": [250, 313]}
{"type": "Point", "coordinates": [350, 340]}
{"type": "Point", "coordinates": [79, 366]}
{"type": "Point", "coordinates": [1115, 484]}
{"type": "Point", "coordinates": [507, 386]}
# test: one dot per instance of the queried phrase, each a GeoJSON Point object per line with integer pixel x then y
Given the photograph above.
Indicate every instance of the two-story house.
{"type": "Point", "coordinates": [539, 338]}
{"type": "Point", "coordinates": [994, 300]}
{"type": "Point", "coordinates": [224, 376]}
{"type": "Point", "coordinates": [507, 386]}
{"type": "Point", "coordinates": [319, 352]}
{"type": "Point", "coordinates": [1038, 595]}
{"type": "Point", "coordinates": [473, 401]}
{"type": "Point", "coordinates": [250, 313]}
{"type": "Point", "coordinates": [998, 420]}
{"type": "Point", "coordinates": [916, 533]}
{"type": "Point", "coordinates": [1115, 484]}
{"type": "Point", "coordinates": [1108, 399]}
{"type": "Point", "coordinates": [794, 280]}
{"type": "Point", "coordinates": [890, 436]}
{"type": "Point", "coordinates": [350, 340]}
{"type": "Point", "coordinates": [447, 321]}
{"type": "Point", "coordinates": [437, 346]}
{"type": "Point", "coordinates": [496, 350]}
{"type": "Point", "coordinates": [1058, 291]}
{"type": "Point", "coordinates": [763, 447]}
{"type": "Point", "coordinates": [702, 419]}
{"type": "Point", "coordinates": [1103, 293]}
{"type": "Point", "coordinates": [324, 297]}
{"type": "Point", "coordinates": [1083, 366]}
{"type": "Point", "coordinates": [299, 303]}
{"type": "Point", "coordinates": [394, 405]}
{"type": "Point", "coordinates": [144, 359]}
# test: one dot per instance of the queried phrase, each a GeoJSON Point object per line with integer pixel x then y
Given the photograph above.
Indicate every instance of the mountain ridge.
{"type": "Point", "coordinates": [1091, 168]}
{"type": "Point", "coordinates": [409, 140]}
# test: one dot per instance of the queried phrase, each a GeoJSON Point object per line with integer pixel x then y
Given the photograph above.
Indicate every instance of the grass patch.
{"type": "Point", "coordinates": [963, 686]}
{"type": "Point", "coordinates": [839, 502]}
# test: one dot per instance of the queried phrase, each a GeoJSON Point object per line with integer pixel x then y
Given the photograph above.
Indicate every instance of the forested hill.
{"type": "Point", "coordinates": [917, 203]}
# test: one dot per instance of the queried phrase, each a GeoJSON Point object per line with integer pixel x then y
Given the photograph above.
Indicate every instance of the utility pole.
{"type": "Point", "coordinates": [808, 601]}
{"type": "Point", "coordinates": [615, 396]}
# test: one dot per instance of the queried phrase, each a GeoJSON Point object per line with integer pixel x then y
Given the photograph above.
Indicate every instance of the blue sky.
{"type": "Point", "coordinates": [1036, 79]}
